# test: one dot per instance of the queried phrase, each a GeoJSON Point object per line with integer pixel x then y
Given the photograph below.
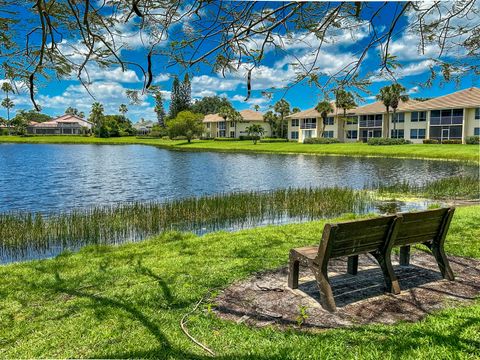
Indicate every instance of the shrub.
{"type": "Point", "coordinates": [3, 132]}
{"type": "Point", "coordinates": [273, 140]}
{"type": "Point", "coordinates": [472, 140]}
{"type": "Point", "coordinates": [225, 139]}
{"type": "Point", "coordinates": [247, 137]}
{"type": "Point", "coordinates": [452, 141]}
{"type": "Point", "coordinates": [431, 141]}
{"type": "Point", "coordinates": [321, 140]}
{"type": "Point", "coordinates": [387, 141]}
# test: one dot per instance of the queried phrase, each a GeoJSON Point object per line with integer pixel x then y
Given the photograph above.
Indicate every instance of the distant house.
{"type": "Point", "coordinates": [216, 126]}
{"type": "Point", "coordinates": [63, 125]}
{"type": "Point", "coordinates": [143, 127]}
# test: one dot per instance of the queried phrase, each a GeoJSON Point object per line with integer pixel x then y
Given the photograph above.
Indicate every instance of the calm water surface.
{"type": "Point", "coordinates": [49, 178]}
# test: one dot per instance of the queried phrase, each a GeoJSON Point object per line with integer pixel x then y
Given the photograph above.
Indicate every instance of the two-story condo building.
{"type": "Point", "coordinates": [450, 117]}
{"type": "Point", "coordinates": [216, 126]}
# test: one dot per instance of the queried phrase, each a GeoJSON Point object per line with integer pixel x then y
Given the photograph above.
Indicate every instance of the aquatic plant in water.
{"type": "Point", "coordinates": [24, 234]}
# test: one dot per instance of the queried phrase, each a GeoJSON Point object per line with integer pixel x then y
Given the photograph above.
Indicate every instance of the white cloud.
{"type": "Point", "coordinates": [111, 74]}
{"type": "Point", "coordinates": [161, 78]}
{"type": "Point", "coordinates": [250, 101]}
{"type": "Point", "coordinates": [413, 90]}
{"type": "Point", "coordinates": [414, 68]}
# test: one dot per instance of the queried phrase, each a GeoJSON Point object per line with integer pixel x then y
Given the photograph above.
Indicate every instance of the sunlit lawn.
{"type": "Point", "coordinates": [127, 301]}
{"type": "Point", "coordinates": [428, 151]}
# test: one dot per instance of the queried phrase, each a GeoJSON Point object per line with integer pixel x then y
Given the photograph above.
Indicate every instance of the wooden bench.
{"type": "Point", "coordinates": [375, 236]}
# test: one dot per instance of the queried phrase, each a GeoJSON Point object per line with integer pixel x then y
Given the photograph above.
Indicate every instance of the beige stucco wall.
{"type": "Point", "coordinates": [470, 122]}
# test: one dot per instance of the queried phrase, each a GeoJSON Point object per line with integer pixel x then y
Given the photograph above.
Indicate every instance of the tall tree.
{"type": "Point", "coordinates": [175, 98]}
{"type": "Point", "coordinates": [186, 124]}
{"type": "Point", "coordinates": [282, 108]}
{"type": "Point", "coordinates": [225, 112]}
{"type": "Point", "coordinates": [7, 103]}
{"type": "Point", "coordinates": [346, 101]}
{"type": "Point", "coordinates": [186, 93]}
{"type": "Point", "coordinates": [74, 111]}
{"type": "Point", "coordinates": [96, 114]}
{"type": "Point", "coordinates": [159, 110]}
{"type": "Point", "coordinates": [385, 97]}
{"type": "Point", "coordinates": [210, 105]}
{"type": "Point", "coordinates": [272, 119]}
{"type": "Point", "coordinates": [397, 93]}
{"type": "Point", "coordinates": [324, 108]}
{"type": "Point", "coordinates": [122, 109]}
{"type": "Point", "coordinates": [296, 110]}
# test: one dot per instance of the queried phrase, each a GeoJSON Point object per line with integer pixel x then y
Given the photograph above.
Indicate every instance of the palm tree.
{"type": "Point", "coordinates": [397, 93]}
{"type": "Point", "coordinates": [96, 114]}
{"type": "Point", "coordinates": [282, 108]}
{"type": "Point", "coordinates": [385, 97]}
{"type": "Point", "coordinates": [324, 108]}
{"type": "Point", "coordinates": [344, 100]}
{"type": "Point", "coordinates": [225, 112]}
{"type": "Point", "coordinates": [255, 131]}
{"type": "Point", "coordinates": [235, 117]}
{"type": "Point", "coordinates": [7, 103]}
{"type": "Point", "coordinates": [123, 109]}
{"type": "Point", "coordinates": [271, 119]}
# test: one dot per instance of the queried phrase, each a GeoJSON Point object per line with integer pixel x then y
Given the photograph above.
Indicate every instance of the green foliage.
{"type": "Point", "coordinates": [302, 315]}
{"type": "Point", "coordinates": [255, 131]}
{"type": "Point", "coordinates": [431, 141]}
{"type": "Point", "coordinates": [181, 97]}
{"type": "Point", "coordinates": [472, 140]}
{"type": "Point", "coordinates": [224, 139]}
{"type": "Point", "coordinates": [117, 125]}
{"type": "Point", "coordinates": [321, 140]}
{"type": "Point", "coordinates": [74, 111]}
{"type": "Point", "coordinates": [186, 124]}
{"type": "Point", "coordinates": [210, 105]}
{"type": "Point", "coordinates": [452, 141]}
{"type": "Point", "coordinates": [387, 141]}
{"type": "Point", "coordinates": [282, 108]}
{"type": "Point", "coordinates": [159, 109]}
{"type": "Point", "coordinates": [32, 115]}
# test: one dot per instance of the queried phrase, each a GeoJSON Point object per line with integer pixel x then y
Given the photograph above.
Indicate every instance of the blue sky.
{"type": "Point", "coordinates": [109, 85]}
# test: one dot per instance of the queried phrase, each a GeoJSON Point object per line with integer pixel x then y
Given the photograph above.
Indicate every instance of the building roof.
{"type": "Point", "coordinates": [67, 118]}
{"type": "Point", "coordinates": [213, 118]}
{"type": "Point", "coordinates": [251, 115]}
{"type": "Point", "coordinates": [378, 107]}
{"type": "Point", "coordinates": [466, 98]}
{"type": "Point", "coordinates": [312, 113]}
{"type": "Point", "coordinates": [143, 124]}
{"type": "Point", "coordinates": [247, 115]}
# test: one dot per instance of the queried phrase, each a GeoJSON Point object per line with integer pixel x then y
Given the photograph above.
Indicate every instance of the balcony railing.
{"type": "Point", "coordinates": [446, 120]}
{"type": "Point", "coordinates": [308, 126]}
{"type": "Point", "coordinates": [370, 123]}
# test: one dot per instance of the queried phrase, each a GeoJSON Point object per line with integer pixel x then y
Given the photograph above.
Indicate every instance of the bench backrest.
{"type": "Point", "coordinates": [363, 236]}
{"type": "Point", "coordinates": [355, 237]}
{"type": "Point", "coordinates": [423, 226]}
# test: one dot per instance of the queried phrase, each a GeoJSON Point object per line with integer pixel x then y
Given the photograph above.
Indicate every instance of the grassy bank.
{"type": "Point", "coordinates": [127, 301]}
{"type": "Point", "coordinates": [425, 151]}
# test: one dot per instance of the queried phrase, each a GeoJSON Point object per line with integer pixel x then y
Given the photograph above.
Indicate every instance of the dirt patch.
{"type": "Point", "coordinates": [265, 299]}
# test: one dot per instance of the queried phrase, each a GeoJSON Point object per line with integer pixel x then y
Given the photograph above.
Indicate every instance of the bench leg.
{"type": "Point", "coordinates": [352, 265]}
{"type": "Point", "coordinates": [326, 294]}
{"type": "Point", "coordinates": [405, 255]}
{"type": "Point", "coordinates": [293, 273]}
{"type": "Point", "coordinates": [391, 280]}
{"type": "Point", "coordinates": [442, 261]}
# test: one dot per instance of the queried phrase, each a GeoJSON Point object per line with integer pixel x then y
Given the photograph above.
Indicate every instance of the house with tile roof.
{"type": "Point", "coordinates": [216, 126]}
{"type": "Point", "coordinates": [450, 117]}
{"type": "Point", "coordinates": [63, 125]}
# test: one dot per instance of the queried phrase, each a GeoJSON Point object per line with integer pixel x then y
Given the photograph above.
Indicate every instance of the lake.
{"type": "Point", "coordinates": [48, 178]}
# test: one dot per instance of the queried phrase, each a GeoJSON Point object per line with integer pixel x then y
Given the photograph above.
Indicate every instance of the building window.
{"type": "Point", "coordinates": [445, 132]}
{"type": "Point", "coordinates": [419, 116]}
{"type": "Point", "coordinates": [399, 118]}
{"type": "Point", "coordinates": [294, 135]}
{"type": "Point", "coordinates": [446, 117]}
{"type": "Point", "coordinates": [352, 134]}
{"type": "Point", "coordinates": [476, 131]}
{"type": "Point", "coordinates": [232, 134]}
{"type": "Point", "coordinates": [328, 134]}
{"type": "Point", "coordinates": [329, 120]}
{"type": "Point", "coordinates": [351, 120]}
{"type": "Point", "coordinates": [477, 114]}
{"type": "Point", "coordinates": [221, 126]}
{"type": "Point", "coordinates": [208, 125]}
{"type": "Point", "coordinates": [397, 134]}
{"type": "Point", "coordinates": [295, 122]}
{"type": "Point", "coordinates": [222, 133]}
{"type": "Point", "coordinates": [417, 133]}
{"type": "Point", "coordinates": [371, 120]}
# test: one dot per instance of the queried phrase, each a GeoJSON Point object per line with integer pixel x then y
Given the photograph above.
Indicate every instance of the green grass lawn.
{"type": "Point", "coordinates": [127, 301]}
{"type": "Point", "coordinates": [445, 152]}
